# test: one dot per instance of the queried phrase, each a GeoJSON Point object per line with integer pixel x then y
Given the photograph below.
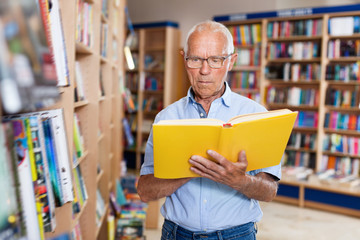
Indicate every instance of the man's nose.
{"type": "Point", "coordinates": [205, 68]}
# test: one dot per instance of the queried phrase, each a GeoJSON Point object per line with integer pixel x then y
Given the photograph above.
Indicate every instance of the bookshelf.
{"type": "Point", "coordinates": [248, 69]}
{"type": "Point", "coordinates": [309, 63]}
{"type": "Point", "coordinates": [152, 84]}
{"type": "Point", "coordinates": [99, 54]}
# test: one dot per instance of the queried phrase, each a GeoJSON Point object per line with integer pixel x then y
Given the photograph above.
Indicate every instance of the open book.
{"type": "Point", "coordinates": [263, 136]}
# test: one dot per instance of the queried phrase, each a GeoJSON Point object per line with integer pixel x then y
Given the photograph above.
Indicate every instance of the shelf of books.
{"type": "Point", "coordinates": [150, 86]}
{"type": "Point", "coordinates": [246, 73]}
{"type": "Point", "coordinates": [311, 65]}
{"type": "Point", "coordinates": [60, 133]}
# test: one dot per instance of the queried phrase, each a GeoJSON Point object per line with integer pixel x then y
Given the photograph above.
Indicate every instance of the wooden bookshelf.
{"type": "Point", "coordinates": [153, 81]}
{"type": "Point", "coordinates": [288, 70]}
{"type": "Point", "coordinates": [99, 115]}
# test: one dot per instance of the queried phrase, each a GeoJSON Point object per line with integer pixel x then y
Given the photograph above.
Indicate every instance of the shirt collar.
{"type": "Point", "coordinates": [225, 98]}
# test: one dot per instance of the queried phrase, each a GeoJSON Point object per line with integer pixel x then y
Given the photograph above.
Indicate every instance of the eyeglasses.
{"type": "Point", "coordinates": [213, 61]}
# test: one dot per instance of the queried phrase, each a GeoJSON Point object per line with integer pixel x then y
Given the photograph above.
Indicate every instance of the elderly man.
{"type": "Point", "coordinates": [223, 202]}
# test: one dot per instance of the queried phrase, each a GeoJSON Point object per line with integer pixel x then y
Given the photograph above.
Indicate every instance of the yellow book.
{"type": "Point", "coordinates": [243, 35]}
{"type": "Point", "coordinates": [263, 136]}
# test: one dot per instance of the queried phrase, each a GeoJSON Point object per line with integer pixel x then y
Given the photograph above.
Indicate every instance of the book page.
{"type": "Point", "coordinates": [201, 121]}
{"type": "Point", "coordinates": [257, 116]}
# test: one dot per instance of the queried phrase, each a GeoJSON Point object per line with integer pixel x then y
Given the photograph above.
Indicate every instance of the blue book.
{"type": "Point", "coordinates": [356, 24]}
{"type": "Point", "coordinates": [52, 162]}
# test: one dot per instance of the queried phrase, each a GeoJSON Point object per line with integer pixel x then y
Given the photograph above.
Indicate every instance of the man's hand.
{"type": "Point", "coordinates": [261, 187]}
{"type": "Point", "coordinates": [221, 170]}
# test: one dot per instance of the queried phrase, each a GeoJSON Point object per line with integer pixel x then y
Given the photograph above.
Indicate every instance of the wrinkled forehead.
{"type": "Point", "coordinates": [200, 41]}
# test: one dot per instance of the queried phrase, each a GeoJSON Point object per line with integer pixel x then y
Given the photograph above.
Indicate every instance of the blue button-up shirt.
{"type": "Point", "coordinates": [202, 204]}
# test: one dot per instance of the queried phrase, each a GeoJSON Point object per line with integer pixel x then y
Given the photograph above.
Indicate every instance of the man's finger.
{"type": "Point", "coordinates": [220, 159]}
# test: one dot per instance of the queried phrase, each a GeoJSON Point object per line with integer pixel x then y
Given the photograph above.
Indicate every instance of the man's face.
{"type": "Point", "coordinates": [208, 82]}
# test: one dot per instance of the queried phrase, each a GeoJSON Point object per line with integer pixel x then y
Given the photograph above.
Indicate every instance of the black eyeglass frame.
{"type": "Point", "coordinates": [223, 58]}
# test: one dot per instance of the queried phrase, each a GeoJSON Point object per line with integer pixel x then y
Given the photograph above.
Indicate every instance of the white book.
{"type": "Point", "coordinates": [62, 152]}
{"type": "Point", "coordinates": [341, 26]}
{"type": "Point", "coordinates": [295, 72]}
{"type": "Point", "coordinates": [58, 41]}
{"type": "Point", "coordinates": [287, 72]}
{"type": "Point", "coordinates": [355, 167]}
{"type": "Point", "coordinates": [79, 81]}
{"type": "Point", "coordinates": [324, 163]}
{"type": "Point", "coordinates": [331, 49]}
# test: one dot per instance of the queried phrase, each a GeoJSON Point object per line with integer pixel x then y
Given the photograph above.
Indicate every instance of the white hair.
{"type": "Point", "coordinates": [213, 27]}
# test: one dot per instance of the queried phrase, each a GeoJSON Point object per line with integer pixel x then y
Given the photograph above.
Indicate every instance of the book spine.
{"type": "Point", "coordinates": [11, 227]}
{"type": "Point", "coordinates": [82, 184]}
{"type": "Point", "coordinates": [80, 195]}
{"type": "Point", "coordinates": [52, 161]}
{"type": "Point", "coordinates": [62, 153]}
{"type": "Point", "coordinates": [44, 177]}
{"type": "Point", "coordinates": [59, 53]}
{"type": "Point", "coordinates": [34, 175]}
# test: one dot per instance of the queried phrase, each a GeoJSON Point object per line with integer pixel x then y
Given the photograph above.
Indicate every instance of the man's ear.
{"type": "Point", "coordinates": [232, 60]}
{"type": "Point", "coordinates": [182, 53]}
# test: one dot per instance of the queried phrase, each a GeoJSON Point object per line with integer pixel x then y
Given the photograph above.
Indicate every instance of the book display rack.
{"type": "Point", "coordinates": [310, 58]}
{"type": "Point", "coordinates": [89, 106]}
{"type": "Point", "coordinates": [151, 86]}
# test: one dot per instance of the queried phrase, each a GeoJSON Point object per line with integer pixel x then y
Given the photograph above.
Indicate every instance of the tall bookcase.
{"type": "Point", "coordinates": [99, 113]}
{"type": "Point", "coordinates": [247, 71]}
{"type": "Point", "coordinates": [153, 81]}
{"type": "Point", "coordinates": [309, 64]}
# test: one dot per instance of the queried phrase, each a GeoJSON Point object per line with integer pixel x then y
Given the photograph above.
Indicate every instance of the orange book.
{"type": "Point", "coordinates": [331, 162]}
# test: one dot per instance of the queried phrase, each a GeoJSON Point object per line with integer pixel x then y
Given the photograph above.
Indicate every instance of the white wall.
{"type": "Point", "coordinates": [189, 12]}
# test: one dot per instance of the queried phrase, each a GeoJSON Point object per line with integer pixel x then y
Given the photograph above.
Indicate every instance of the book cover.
{"type": "Point", "coordinates": [79, 196]}
{"type": "Point", "coordinates": [263, 136]}
{"type": "Point", "coordinates": [26, 184]}
{"type": "Point", "coordinates": [58, 43]}
{"type": "Point", "coordinates": [76, 232]}
{"type": "Point", "coordinates": [61, 151]}
{"type": "Point", "coordinates": [34, 174]}
{"type": "Point", "coordinates": [52, 161]}
{"type": "Point", "coordinates": [78, 139]}
{"type": "Point", "coordinates": [82, 184]}
{"type": "Point", "coordinates": [43, 181]}
{"type": "Point", "coordinates": [10, 209]}
{"type": "Point", "coordinates": [80, 91]}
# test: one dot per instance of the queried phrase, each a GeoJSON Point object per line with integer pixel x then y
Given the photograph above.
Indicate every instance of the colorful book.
{"type": "Point", "coordinates": [26, 184]}
{"type": "Point", "coordinates": [78, 139]}
{"type": "Point", "coordinates": [61, 150]}
{"type": "Point", "coordinates": [52, 161]}
{"type": "Point", "coordinates": [10, 207]}
{"type": "Point", "coordinates": [39, 167]}
{"type": "Point", "coordinates": [42, 168]}
{"type": "Point", "coordinates": [178, 140]}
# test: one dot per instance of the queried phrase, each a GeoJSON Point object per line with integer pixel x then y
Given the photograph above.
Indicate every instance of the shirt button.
{"type": "Point", "coordinates": [205, 201]}
{"type": "Point", "coordinates": [201, 114]}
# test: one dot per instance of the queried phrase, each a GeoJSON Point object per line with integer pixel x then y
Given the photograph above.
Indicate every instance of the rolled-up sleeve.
{"type": "Point", "coordinates": [274, 170]}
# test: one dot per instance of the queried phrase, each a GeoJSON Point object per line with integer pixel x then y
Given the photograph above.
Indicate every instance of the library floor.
{"type": "Point", "coordinates": [287, 222]}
